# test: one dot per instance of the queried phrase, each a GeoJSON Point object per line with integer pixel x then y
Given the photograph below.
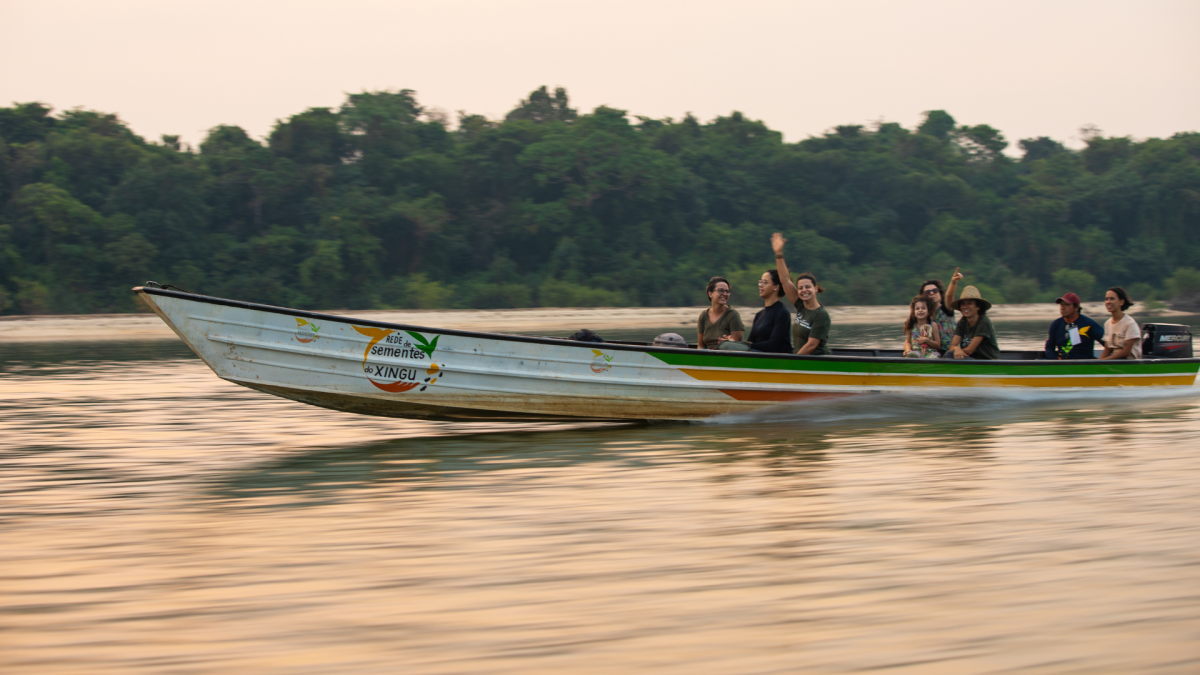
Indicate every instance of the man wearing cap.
{"type": "Point", "coordinates": [1072, 335]}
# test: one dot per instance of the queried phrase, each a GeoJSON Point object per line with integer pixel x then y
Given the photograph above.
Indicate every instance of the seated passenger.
{"type": "Point", "coordinates": [769, 332]}
{"type": "Point", "coordinates": [1122, 337]}
{"type": "Point", "coordinates": [974, 337]}
{"type": "Point", "coordinates": [810, 330]}
{"type": "Point", "coordinates": [922, 337]}
{"type": "Point", "coordinates": [939, 312]}
{"type": "Point", "coordinates": [719, 322]}
{"type": "Point", "coordinates": [1072, 335]}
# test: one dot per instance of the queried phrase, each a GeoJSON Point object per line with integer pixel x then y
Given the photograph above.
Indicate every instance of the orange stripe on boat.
{"type": "Point", "coordinates": [759, 395]}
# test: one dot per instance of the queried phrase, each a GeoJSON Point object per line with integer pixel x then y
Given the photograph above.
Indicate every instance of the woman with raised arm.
{"type": "Point", "coordinates": [939, 311]}
{"type": "Point", "coordinates": [810, 330]}
{"type": "Point", "coordinates": [719, 322]}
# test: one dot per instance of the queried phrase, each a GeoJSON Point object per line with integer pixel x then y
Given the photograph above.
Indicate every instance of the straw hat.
{"type": "Point", "coordinates": [971, 293]}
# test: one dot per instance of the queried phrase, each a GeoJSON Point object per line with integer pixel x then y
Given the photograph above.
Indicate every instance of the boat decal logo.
{"type": "Point", "coordinates": [408, 345]}
{"type": "Point", "coordinates": [424, 345]}
{"type": "Point", "coordinates": [306, 331]}
{"type": "Point", "coordinates": [601, 362]}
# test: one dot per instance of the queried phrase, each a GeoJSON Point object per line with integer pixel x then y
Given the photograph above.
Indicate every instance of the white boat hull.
{"type": "Point", "coordinates": [476, 377]}
{"type": "Point", "coordinates": [408, 371]}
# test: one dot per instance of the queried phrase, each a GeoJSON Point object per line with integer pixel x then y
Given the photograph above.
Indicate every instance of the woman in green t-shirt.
{"type": "Point", "coordinates": [810, 329]}
{"type": "Point", "coordinates": [974, 337]}
{"type": "Point", "coordinates": [719, 322]}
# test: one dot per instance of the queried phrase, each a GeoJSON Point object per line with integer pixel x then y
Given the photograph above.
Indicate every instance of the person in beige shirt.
{"type": "Point", "coordinates": [1122, 337]}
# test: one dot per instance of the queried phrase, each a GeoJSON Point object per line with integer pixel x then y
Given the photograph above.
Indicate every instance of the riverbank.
{"type": "Point", "coordinates": [549, 319]}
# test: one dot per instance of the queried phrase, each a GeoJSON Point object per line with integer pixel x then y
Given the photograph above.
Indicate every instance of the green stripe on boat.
{"type": "Point", "coordinates": [925, 366]}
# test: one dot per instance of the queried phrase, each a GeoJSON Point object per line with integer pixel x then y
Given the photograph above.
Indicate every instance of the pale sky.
{"type": "Point", "coordinates": [1028, 68]}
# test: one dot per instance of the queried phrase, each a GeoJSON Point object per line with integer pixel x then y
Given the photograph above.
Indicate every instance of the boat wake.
{"type": "Point", "coordinates": [972, 404]}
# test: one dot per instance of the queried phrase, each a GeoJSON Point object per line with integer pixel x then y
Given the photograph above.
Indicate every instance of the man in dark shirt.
{"type": "Point", "coordinates": [1072, 335]}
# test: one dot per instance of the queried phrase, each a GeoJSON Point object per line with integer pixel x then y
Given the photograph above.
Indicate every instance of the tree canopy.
{"type": "Point", "coordinates": [381, 203]}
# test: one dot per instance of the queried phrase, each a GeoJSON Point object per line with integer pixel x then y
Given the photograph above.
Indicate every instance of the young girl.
{"type": "Point", "coordinates": [922, 339]}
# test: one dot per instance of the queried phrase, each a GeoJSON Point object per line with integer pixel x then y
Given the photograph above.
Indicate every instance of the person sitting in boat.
{"type": "Point", "coordinates": [939, 311]}
{"type": "Point", "coordinates": [1122, 337]}
{"type": "Point", "coordinates": [769, 332]}
{"type": "Point", "coordinates": [1072, 335]}
{"type": "Point", "coordinates": [810, 330]}
{"type": "Point", "coordinates": [719, 322]}
{"type": "Point", "coordinates": [922, 339]}
{"type": "Point", "coordinates": [974, 336]}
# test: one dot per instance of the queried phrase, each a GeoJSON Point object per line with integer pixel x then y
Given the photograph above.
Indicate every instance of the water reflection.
{"type": "Point", "coordinates": [51, 358]}
{"type": "Point", "coordinates": [786, 440]}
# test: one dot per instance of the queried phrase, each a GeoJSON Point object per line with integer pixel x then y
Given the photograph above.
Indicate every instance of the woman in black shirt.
{"type": "Point", "coordinates": [772, 329]}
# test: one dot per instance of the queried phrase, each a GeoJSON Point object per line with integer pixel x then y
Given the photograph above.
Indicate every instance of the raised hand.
{"type": "Point", "coordinates": [957, 275]}
{"type": "Point", "coordinates": [777, 242]}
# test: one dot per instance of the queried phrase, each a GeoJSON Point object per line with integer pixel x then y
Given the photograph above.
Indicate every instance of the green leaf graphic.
{"type": "Point", "coordinates": [424, 344]}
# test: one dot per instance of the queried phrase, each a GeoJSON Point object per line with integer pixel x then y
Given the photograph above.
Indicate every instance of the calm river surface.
{"type": "Point", "coordinates": [156, 519]}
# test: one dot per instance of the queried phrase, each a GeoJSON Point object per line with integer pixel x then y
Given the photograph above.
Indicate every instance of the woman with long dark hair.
{"type": "Point", "coordinates": [921, 335]}
{"type": "Point", "coordinates": [941, 299]}
{"type": "Point", "coordinates": [769, 332]}
{"type": "Point", "coordinates": [1122, 337]}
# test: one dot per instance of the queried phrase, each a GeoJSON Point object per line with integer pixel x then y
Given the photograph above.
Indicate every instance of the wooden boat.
{"type": "Point", "coordinates": [418, 372]}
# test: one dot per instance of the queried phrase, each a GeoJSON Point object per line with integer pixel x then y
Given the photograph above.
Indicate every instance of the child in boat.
{"type": "Point", "coordinates": [922, 337]}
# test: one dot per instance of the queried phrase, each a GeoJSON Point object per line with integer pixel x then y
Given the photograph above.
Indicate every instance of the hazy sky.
{"type": "Point", "coordinates": [1027, 68]}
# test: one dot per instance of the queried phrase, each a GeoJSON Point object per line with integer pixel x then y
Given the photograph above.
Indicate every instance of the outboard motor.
{"type": "Point", "coordinates": [1166, 341]}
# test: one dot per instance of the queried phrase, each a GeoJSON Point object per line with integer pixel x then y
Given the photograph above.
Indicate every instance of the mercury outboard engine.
{"type": "Point", "coordinates": [1166, 341]}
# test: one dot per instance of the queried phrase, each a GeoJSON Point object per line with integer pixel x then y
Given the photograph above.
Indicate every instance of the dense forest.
{"type": "Point", "coordinates": [381, 203]}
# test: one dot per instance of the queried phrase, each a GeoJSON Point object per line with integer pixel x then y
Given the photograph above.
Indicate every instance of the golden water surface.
{"type": "Point", "coordinates": [156, 519]}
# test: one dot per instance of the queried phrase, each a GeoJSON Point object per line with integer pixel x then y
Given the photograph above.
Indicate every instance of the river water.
{"type": "Point", "coordinates": [156, 519]}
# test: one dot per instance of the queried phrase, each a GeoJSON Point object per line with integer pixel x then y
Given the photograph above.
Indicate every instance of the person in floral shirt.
{"type": "Point", "coordinates": [940, 298]}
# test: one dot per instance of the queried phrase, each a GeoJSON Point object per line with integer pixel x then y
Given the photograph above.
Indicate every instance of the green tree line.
{"type": "Point", "coordinates": [381, 203]}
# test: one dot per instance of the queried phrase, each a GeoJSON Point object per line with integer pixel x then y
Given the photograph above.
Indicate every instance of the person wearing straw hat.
{"type": "Point", "coordinates": [974, 329]}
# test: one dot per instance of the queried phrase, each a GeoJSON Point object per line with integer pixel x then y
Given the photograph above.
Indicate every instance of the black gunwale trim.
{"type": "Point", "coordinates": [611, 346]}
